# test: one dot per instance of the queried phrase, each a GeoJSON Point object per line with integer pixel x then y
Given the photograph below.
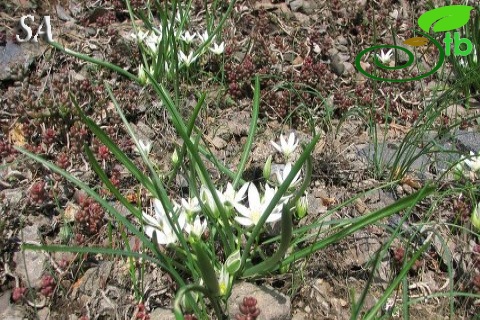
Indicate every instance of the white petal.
{"type": "Point", "coordinates": [253, 197]}
{"type": "Point", "coordinates": [276, 146]}
{"type": "Point", "coordinates": [159, 211]}
{"type": "Point", "coordinates": [244, 211]}
{"type": "Point", "coordinates": [274, 216]}
{"type": "Point", "coordinates": [244, 221]}
{"type": "Point", "coordinates": [149, 219]}
{"type": "Point", "coordinates": [241, 193]}
{"type": "Point", "coordinates": [149, 230]}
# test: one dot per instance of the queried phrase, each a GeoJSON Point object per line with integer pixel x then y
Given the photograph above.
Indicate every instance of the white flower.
{"type": "Point", "coordinates": [385, 57]}
{"type": "Point", "coordinates": [197, 228]}
{"type": "Point", "coordinates": [160, 224]}
{"type": "Point", "coordinates": [140, 36]}
{"type": "Point", "coordinates": [152, 41]}
{"type": "Point", "coordinates": [187, 60]}
{"type": "Point", "coordinates": [256, 207]}
{"type": "Point", "coordinates": [204, 36]}
{"type": "Point", "coordinates": [286, 171]}
{"type": "Point", "coordinates": [232, 197]}
{"type": "Point", "coordinates": [145, 146]}
{"type": "Point", "coordinates": [187, 37]}
{"type": "Point", "coordinates": [285, 147]}
{"type": "Point", "coordinates": [474, 162]}
{"type": "Point", "coordinates": [218, 49]}
{"type": "Point", "coordinates": [190, 206]}
{"type": "Point", "coordinates": [207, 197]}
{"type": "Point", "coordinates": [223, 281]}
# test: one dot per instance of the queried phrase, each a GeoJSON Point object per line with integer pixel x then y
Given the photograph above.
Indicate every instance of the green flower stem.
{"type": "Point", "coordinates": [251, 133]}
{"type": "Point", "coordinates": [287, 228]}
{"type": "Point", "coordinates": [177, 309]}
{"type": "Point", "coordinates": [278, 195]}
{"type": "Point", "coordinates": [206, 268]}
{"type": "Point", "coordinates": [270, 263]}
{"type": "Point", "coordinates": [190, 126]}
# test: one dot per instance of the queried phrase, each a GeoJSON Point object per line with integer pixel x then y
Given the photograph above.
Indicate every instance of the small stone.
{"type": "Point", "coordinates": [273, 305]}
{"type": "Point", "coordinates": [455, 110]}
{"type": "Point", "coordinates": [11, 197]}
{"type": "Point", "coordinates": [342, 40]}
{"type": "Point", "coordinates": [337, 65]}
{"type": "Point", "coordinates": [162, 314]}
{"type": "Point", "coordinates": [30, 263]}
{"type": "Point", "coordinates": [219, 143]}
{"type": "Point", "coordinates": [295, 5]}
{"type": "Point", "coordinates": [349, 68]}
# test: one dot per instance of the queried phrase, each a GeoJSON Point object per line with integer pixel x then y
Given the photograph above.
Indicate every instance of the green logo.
{"type": "Point", "coordinates": [442, 19]}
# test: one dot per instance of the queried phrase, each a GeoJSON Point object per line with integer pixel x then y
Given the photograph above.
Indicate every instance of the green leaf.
{"type": "Point", "coordinates": [445, 18]}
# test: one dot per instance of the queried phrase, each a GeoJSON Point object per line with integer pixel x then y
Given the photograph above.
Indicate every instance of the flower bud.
{"type": "Point", "coordinates": [267, 168]}
{"type": "Point", "coordinates": [175, 157]}
{"type": "Point", "coordinates": [458, 171]}
{"type": "Point", "coordinates": [302, 207]}
{"type": "Point", "coordinates": [476, 216]}
{"type": "Point", "coordinates": [233, 262]}
{"type": "Point", "coordinates": [142, 76]}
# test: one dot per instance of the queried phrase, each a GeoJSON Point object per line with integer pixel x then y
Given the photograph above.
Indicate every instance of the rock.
{"type": "Point", "coordinates": [386, 154]}
{"type": "Point", "coordinates": [468, 141]}
{"type": "Point", "coordinates": [219, 143]}
{"type": "Point", "coordinates": [13, 312]}
{"type": "Point", "coordinates": [455, 110]}
{"type": "Point", "coordinates": [342, 40]}
{"type": "Point", "coordinates": [89, 283]}
{"type": "Point", "coordinates": [302, 18]}
{"type": "Point", "coordinates": [30, 263]}
{"type": "Point", "coordinates": [349, 68]}
{"type": "Point", "coordinates": [272, 304]}
{"type": "Point", "coordinates": [12, 197]}
{"type": "Point", "coordinates": [162, 314]}
{"type": "Point", "coordinates": [143, 131]}
{"type": "Point", "coordinates": [16, 58]}
{"type": "Point", "coordinates": [295, 5]}
{"type": "Point", "coordinates": [337, 65]}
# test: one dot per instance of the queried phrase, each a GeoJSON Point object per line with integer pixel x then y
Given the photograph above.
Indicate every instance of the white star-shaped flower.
{"type": "Point", "coordinates": [256, 207]}
{"type": "Point", "coordinates": [187, 60]}
{"type": "Point", "coordinates": [232, 197]}
{"type": "Point", "coordinates": [160, 225]}
{"type": "Point", "coordinates": [197, 227]}
{"type": "Point", "coordinates": [188, 37]}
{"type": "Point", "coordinates": [218, 49]}
{"type": "Point", "coordinates": [385, 57]}
{"type": "Point", "coordinates": [283, 176]}
{"type": "Point", "coordinates": [286, 147]}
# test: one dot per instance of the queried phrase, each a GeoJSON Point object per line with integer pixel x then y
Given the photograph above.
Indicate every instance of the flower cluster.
{"type": "Point", "coordinates": [185, 215]}
{"type": "Point", "coordinates": [287, 149]}
{"type": "Point", "coordinates": [183, 44]}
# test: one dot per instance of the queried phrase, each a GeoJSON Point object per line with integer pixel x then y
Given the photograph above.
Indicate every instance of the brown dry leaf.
{"type": "Point", "coordinates": [414, 183]}
{"type": "Point", "coordinates": [298, 60]}
{"type": "Point", "coordinates": [328, 201]}
{"type": "Point", "coordinates": [15, 136]}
